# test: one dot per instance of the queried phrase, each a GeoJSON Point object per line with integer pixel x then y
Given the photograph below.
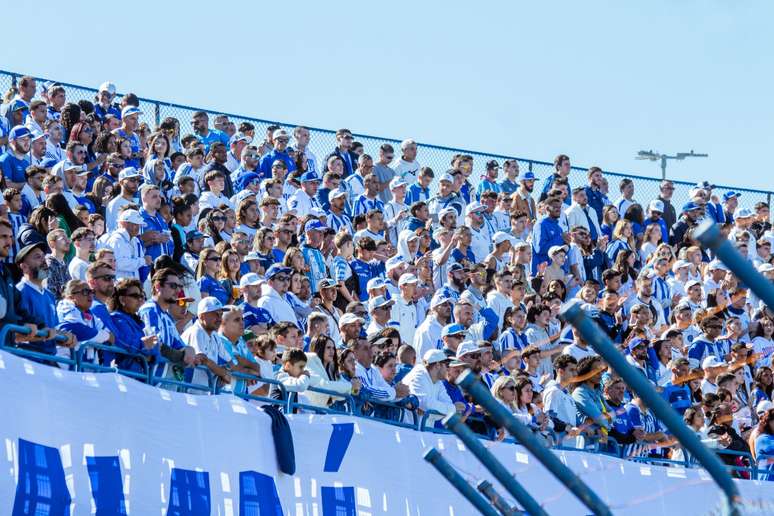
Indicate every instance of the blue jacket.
{"type": "Point", "coordinates": [273, 156]}
{"type": "Point", "coordinates": [590, 403]}
{"type": "Point", "coordinates": [596, 200]}
{"type": "Point", "coordinates": [546, 234]}
{"type": "Point", "coordinates": [679, 396]}
{"type": "Point", "coordinates": [131, 335]}
{"type": "Point", "coordinates": [350, 161]}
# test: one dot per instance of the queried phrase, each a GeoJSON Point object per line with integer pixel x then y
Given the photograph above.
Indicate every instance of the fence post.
{"type": "Point", "coordinates": [157, 114]}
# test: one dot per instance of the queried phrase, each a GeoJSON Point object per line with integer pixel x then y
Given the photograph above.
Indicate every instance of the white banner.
{"type": "Point", "coordinates": [101, 443]}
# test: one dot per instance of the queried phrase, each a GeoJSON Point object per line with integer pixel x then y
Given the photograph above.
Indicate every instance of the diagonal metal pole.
{"type": "Point", "coordinates": [435, 458]}
{"type": "Point", "coordinates": [709, 235]}
{"type": "Point", "coordinates": [593, 334]}
{"type": "Point", "coordinates": [473, 386]}
{"type": "Point", "coordinates": [454, 423]}
{"type": "Point", "coordinates": [486, 488]}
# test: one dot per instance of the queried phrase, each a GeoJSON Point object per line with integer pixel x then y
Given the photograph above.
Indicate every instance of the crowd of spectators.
{"type": "Point", "coordinates": [208, 251]}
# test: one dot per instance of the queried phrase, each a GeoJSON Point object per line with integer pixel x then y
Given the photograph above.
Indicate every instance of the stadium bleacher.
{"type": "Point", "coordinates": [204, 278]}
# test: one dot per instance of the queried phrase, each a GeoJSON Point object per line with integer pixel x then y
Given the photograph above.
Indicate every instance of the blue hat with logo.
{"type": "Point", "coordinates": [315, 225]}
{"type": "Point", "coordinates": [452, 329]}
{"type": "Point", "coordinates": [246, 179]}
{"type": "Point", "coordinates": [690, 206]}
{"type": "Point", "coordinates": [455, 267]}
{"type": "Point", "coordinates": [277, 269]}
{"type": "Point", "coordinates": [528, 176]}
{"type": "Point", "coordinates": [309, 177]}
{"type": "Point", "coordinates": [17, 105]}
{"type": "Point", "coordinates": [728, 195]}
{"type": "Point", "coordinates": [193, 235]}
{"type": "Point", "coordinates": [17, 132]}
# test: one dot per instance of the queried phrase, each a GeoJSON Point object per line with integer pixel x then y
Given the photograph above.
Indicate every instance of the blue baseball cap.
{"type": "Point", "coordinates": [130, 110]}
{"type": "Point", "coordinates": [257, 316]}
{"type": "Point", "coordinates": [277, 269]}
{"type": "Point", "coordinates": [528, 176]}
{"type": "Point", "coordinates": [456, 267]}
{"type": "Point", "coordinates": [19, 131]}
{"type": "Point", "coordinates": [315, 225]}
{"type": "Point", "coordinates": [730, 194]}
{"type": "Point", "coordinates": [48, 163]}
{"type": "Point", "coordinates": [309, 177]}
{"type": "Point", "coordinates": [636, 343]}
{"type": "Point", "coordinates": [246, 179]}
{"type": "Point", "coordinates": [452, 329]}
{"type": "Point", "coordinates": [193, 235]}
{"type": "Point", "coordinates": [690, 206]}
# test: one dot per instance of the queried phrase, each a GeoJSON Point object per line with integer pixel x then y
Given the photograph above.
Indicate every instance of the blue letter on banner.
{"type": "Point", "coordinates": [338, 501]}
{"type": "Point", "coordinates": [258, 495]}
{"type": "Point", "coordinates": [189, 493]}
{"type": "Point", "coordinates": [41, 488]}
{"type": "Point", "coordinates": [106, 485]}
{"type": "Point", "coordinates": [337, 445]}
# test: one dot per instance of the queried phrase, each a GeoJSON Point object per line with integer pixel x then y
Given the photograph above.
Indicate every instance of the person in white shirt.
{"type": "Point", "coordinates": [396, 212]}
{"type": "Point", "coordinates": [429, 333]}
{"type": "Point", "coordinates": [273, 294]}
{"type": "Point", "coordinates": [425, 382]}
{"type": "Point", "coordinates": [624, 202]}
{"type": "Point", "coordinates": [214, 197]}
{"type": "Point", "coordinates": [305, 198]}
{"type": "Point", "coordinates": [83, 240]}
{"type": "Point", "coordinates": [203, 337]}
{"type": "Point", "coordinates": [499, 299]}
{"type": "Point", "coordinates": [404, 311]}
{"type": "Point", "coordinates": [712, 367]}
{"type": "Point", "coordinates": [237, 145]}
{"type": "Point", "coordinates": [380, 309]}
{"type": "Point", "coordinates": [580, 213]}
{"type": "Point", "coordinates": [481, 242]}
{"type": "Point", "coordinates": [557, 399]}
{"type": "Point", "coordinates": [407, 166]}
{"type": "Point", "coordinates": [373, 382]}
{"type": "Point", "coordinates": [129, 179]}
{"type": "Point", "coordinates": [127, 248]}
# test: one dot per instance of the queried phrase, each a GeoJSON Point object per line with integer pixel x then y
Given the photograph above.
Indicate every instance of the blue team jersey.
{"type": "Point", "coordinates": [363, 271]}
{"type": "Point", "coordinates": [209, 286]}
{"type": "Point", "coordinates": [679, 396]}
{"type": "Point", "coordinates": [13, 167]}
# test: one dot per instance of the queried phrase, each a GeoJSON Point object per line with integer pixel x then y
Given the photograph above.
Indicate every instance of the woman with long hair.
{"type": "Point", "coordinates": [247, 218]}
{"type": "Point", "coordinates": [206, 275]}
{"type": "Point", "coordinates": [764, 445]}
{"type": "Point", "coordinates": [527, 412]}
{"type": "Point", "coordinates": [622, 240]}
{"type": "Point", "coordinates": [610, 217]}
{"type": "Point", "coordinates": [322, 364]}
{"type": "Point", "coordinates": [181, 216]}
{"type": "Point", "coordinates": [42, 220]}
{"type": "Point", "coordinates": [83, 133]}
{"type": "Point", "coordinates": [229, 273]}
{"type": "Point", "coordinates": [650, 241]}
{"type": "Point", "coordinates": [263, 243]}
{"type": "Point", "coordinates": [214, 222]}
{"type": "Point", "coordinates": [764, 385]}
{"type": "Point", "coordinates": [512, 338]}
{"type": "Point", "coordinates": [636, 216]}
{"type": "Point", "coordinates": [625, 264]}
{"type": "Point", "coordinates": [127, 298]}
{"type": "Point", "coordinates": [67, 219]}
{"type": "Point", "coordinates": [504, 391]}
{"type": "Point", "coordinates": [763, 341]}
{"type": "Point", "coordinates": [101, 194]}
{"type": "Point", "coordinates": [294, 259]}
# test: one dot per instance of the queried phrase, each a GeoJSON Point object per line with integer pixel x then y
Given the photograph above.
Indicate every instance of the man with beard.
{"type": "Point", "coordinates": [337, 216]}
{"type": "Point", "coordinates": [37, 302]}
{"type": "Point", "coordinates": [644, 296]}
{"type": "Point", "coordinates": [522, 198]}
{"type": "Point", "coordinates": [15, 160]}
{"type": "Point", "coordinates": [456, 281]}
{"type": "Point", "coordinates": [689, 216]}
{"type": "Point", "coordinates": [428, 334]}
{"type": "Point", "coordinates": [547, 233]}
{"type": "Point", "coordinates": [596, 199]}
{"type": "Point", "coordinates": [129, 180]}
{"type": "Point", "coordinates": [587, 396]}
{"type": "Point", "coordinates": [446, 198]}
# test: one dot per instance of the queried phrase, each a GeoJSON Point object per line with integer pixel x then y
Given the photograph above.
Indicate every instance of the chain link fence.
{"type": "Point", "coordinates": [323, 141]}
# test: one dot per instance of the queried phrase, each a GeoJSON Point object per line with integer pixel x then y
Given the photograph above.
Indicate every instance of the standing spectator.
{"type": "Point", "coordinates": [130, 121]}
{"type": "Point", "coordinates": [344, 153]}
{"type": "Point", "coordinates": [203, 337]}
{"type": "Point", "coordinates": [627, 193]}
{"type": "Point", "coordinates": [511, 170]}
{"type": "Point", "coordinates": [127, 248]}
{"type": "Point", "coordinates": [129, 181]}
{"type": "Point", "coordinates": [201, 122]}
{"type": "Point", "coordinates": [383, 172]}
{"type": "Point", "coordinates": [580, 213]}
{"type": "Point", "coordinates": [404, 310]}
{"type": "Point", "coordinates": [280, 153]}
{"type": "Point", "coordinates": [15, 160]}
{"type": "Point", "coordinates": [407, 166]}
{"type": "Point", "coordinates": [562, 168]}
{"type": "Point", "coordinates": [522, 198]}
{"type": "Point", "coordinates": [666, 189]}
{"type": "Point", "coordinates": [58, 273]}
{"type": "Point", "coordinates": [547, 233]}
{"type": "Point", "coordinates": [83, 240]}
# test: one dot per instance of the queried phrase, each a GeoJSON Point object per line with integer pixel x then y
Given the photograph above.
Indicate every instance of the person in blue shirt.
{"type": "Point", "coordinates": [310, 249]}
{"type": "Point", "coordinates": [677, 391]}
{"type": "Point", "coordinates": [343, 151]}
{"type": "Point", "coordinates": [706, 344]}
{"type": "Point", "coordinates": [419, 190]}
{"type": "Point", "coordinates": [547, 233]}
{"type": "Point", "coordinates": [156, 235]}
{"type": "Point", "coordinates": [36, 301]}
{"type": "Point", "coordinates": [655, 213]}
{"type": "Point", "coordinates": [510, 183]}
{"type": "Point", "coordinates": [279, 153]}
{"type": "Point", "coordinates": [201, 126]}
{"type": "Point", "coordinates": [103, 103]}
{"type": "Point", "coordinates": [489, 179]}
{"type": "Point", "coordinates": [369, 200]}
{"type": "Point", "coordinates": [124, 303]}
{"type": "Point", "coordinates": [595, 198]}
{"type": "Point", "coordinates": [130, 121]}
{"type": "Point", "coordinates": [621, 427]}
{"type": "Point", "coordinates": [623, 238]}
{"type": "Point", "coordinates": [361, 265]}
{"type": "Point", "coordinates": [764, 445]}
{"type": "Point", "coordinates": [15, 160]}
{"type": "Point", "coordinates": [207, 273]}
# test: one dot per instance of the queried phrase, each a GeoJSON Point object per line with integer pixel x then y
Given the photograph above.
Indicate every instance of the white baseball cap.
{"type": "Point", "coordinates": [656, 205]}
{"type": "Point", "coordinates": [467, 347]}
{"type": "Point", "coordinates": [712, 361]}
{"type": "Point", "coordinates": [209, 304]}
{"type": "Point", "coordinates": [407, 278]}
{"type": "Point", "coordinates": [680, 264]}
{"type": "Point", "coordinates": [350, 318]}
{"type": "Point", "coordinates": [474, 207]}
{"type": "Point", "coordinates": [132, 216]}
{"type": "Point", "coordinates": [501, 236]}
{"type": "Point", "coordinates": [763, 407]}
{"type": "Point", "coordinates": [249, 279]}
{"type": "Point", "coordinates": [108, 87]}
{"type": "Point", "coordinates": [433, 356]}
{"type": "Point", "coordinates": [556, 248]}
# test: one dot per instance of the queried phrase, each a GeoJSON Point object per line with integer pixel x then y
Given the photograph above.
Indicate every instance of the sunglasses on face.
{"type": "Point", "coordinates": [84, 292]}
{"type": "Point", "coordinates": [219, 218]}
{"type": "Point", "coordinates": [174, 286]}
{"type": "Point", "coordinates": [107, 277]}
{"type": "Point", "coordinates": [281, 277]}
{"type": "Point", "coordinates": [136, 295]}
{"type": "Point", "coordinates": [213, 259]}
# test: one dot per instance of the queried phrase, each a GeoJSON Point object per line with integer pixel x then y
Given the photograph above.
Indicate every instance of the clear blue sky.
{"type": "Point", "coordinates": [595, 80]}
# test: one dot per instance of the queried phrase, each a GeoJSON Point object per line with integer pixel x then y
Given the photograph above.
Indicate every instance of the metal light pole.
{"type": "Point", "coordinates": [655, 156]}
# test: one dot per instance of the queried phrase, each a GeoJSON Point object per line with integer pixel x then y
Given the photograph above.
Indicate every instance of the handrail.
{"type": "Point", "coordinates": [478, 390]}
{"type": "Point", "coordinates": [84, 365]}
{"type": "Point", "coordinates": [28, 353]}
{"type": "Point", "coordinates": [443, 467]}
{"type": "Point", "coordinates": [285, 401]}
{"type": "Point", "coordinates": [210, 387]}
{"type": "Point", "coordinates": [593, 334]}
{"type": "Point", "coordinates": [350, 401]}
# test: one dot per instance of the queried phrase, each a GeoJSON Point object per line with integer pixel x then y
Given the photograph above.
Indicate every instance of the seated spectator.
{"type": "Point", "coordinates": [75, 316]}
{"type": "Point", "coordinates": [424, 382]}
{"type": "Point", "coordinates": [293, 376]}
{"type": "Point", "coordinates": [322, 364]}
{"type": "Point", "coordinates": [210, 351]}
